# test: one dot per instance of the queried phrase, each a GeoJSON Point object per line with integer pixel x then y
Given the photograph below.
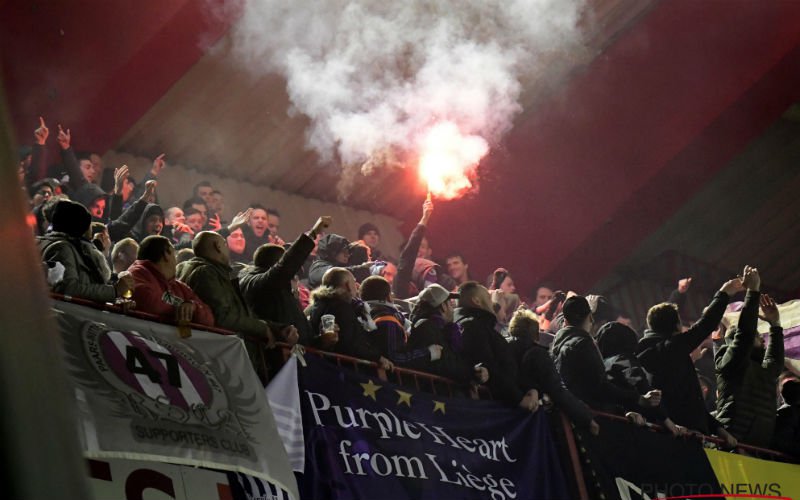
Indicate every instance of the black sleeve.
{"type": "Point", "coordinates": [114, 207]}
{"type": "Point", "coordinates": [38, 169]}
{"type": "Point", "coordinates": [538, 372]}
{"type": "Point", "coordinates": [686, 342]}
{"type": "Point", "coordinates": [678, 298]}
{"type": "Point", "coordinates": [121, 227]}
{"type": "Point", "coordinates": [736, 357]}
{"type": "Point", "coordinates": [293, 259]}
{"type": "Point", "coordinates": [408, 258]}
{"type": "Point", "coordinates": [73, 168]}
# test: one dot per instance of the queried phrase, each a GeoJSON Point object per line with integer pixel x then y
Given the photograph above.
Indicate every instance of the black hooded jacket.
{"type": "Point", "coordinates": [138, 232]}
{"type": "Point", "coordinates": [666, 357]}
{"type": "Point", "coordinates": [351, 316]}
{"type": "Point", "coordinates": [747, 378]}
{"type": "Point", "coordinates": [483, 343]}
{"type": "Point", "coordinates": [580, 364]}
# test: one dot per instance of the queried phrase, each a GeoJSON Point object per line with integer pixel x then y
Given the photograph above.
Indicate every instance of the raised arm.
{"type": "Point", "coordinates": [408, 256]}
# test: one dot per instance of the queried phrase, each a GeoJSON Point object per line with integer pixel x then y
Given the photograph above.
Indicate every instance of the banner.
{"type": "Point", "coordinates": [367, 439]}
{"type": "Point", "coordinates": [144, 393]}
{"type": "Point", "coordinates": [627, 462]}
{"type": "Point", "coordinates": [740, 475]}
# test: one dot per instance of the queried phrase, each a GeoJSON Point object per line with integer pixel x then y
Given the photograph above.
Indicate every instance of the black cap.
{"type": "Point", "coordinates": [71, 218]}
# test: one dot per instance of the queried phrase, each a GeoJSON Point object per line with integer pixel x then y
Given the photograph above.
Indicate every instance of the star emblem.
{"type": "Point", "coordinates": [405, 398]}
{"type": "Point", "coordinates": [370, 388]}
{"type": "Point", "coordinates": [438, 406]}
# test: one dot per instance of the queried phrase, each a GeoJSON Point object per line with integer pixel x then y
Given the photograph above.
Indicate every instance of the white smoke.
{"type": "Point", "coordinates": [375, 75]}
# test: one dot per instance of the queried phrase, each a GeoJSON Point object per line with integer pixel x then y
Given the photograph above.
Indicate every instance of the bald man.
{"type": "Point", "coordinates": [208, 274]}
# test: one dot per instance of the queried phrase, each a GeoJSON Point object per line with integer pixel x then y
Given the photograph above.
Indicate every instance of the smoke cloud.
{"type": "Point", "coordinates": [375, 76]}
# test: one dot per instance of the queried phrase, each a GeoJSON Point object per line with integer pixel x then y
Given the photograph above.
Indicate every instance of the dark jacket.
{"type": "Point", "coordinates": [268, 291]}
{"type": "Point", "coordinates": [787, 430]}
{"type": "Point", "coordinates": [83, 277]}
{"type": "Point", "coordinates": [121, 227]}
{"type": "Point", "coordinates": [537, 371]}
{"type": "Point", "coordinates": [138, 232]}
{"type": "Point", "coordinates": [747, 378]}
{"type": "Point", "coordinates": [666, 357]}
{"type": "Point", "coordinates": [320, 266]}
{"type": "Point", "coordinates": [405, 266]}
{"type": "Point", "coordinates": [212, 283]}
{"type": "Point", "coordinates": [435, 329]}
{"type": "Point", "coordinates": [483, 343]}
{"type": "Point", "coordinates": [580, 365]}
{"type": "Point", "coordinates": [391, 337]}
{"type": "Point", "coordinates": [252, 241]}
{"type": "Point", "coordinates": [351, 317]}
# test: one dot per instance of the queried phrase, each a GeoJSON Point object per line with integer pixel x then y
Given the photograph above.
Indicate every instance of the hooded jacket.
{"type": "Point", "coordinates": [268, 291]}
{"type": "Point", "coordinates": [483, 343]}
{"type": "Point", "coordinates": [87, 194]}
{"type": "Point", "coordinates": [747, 378]}
{"type": "Point", "coordinates": [666, 357]}
{"type": "Point", "coordinates": [352, 317]}
{"type": "Point", "coordinates": [390, 337]}
{"type": "Point", "coordinates": [328, 248]}
{"type": "Point", "coordinates": [82, 277]}
{"type": "Point", "coordinates": [581, 367]}
{"type": "Point", "coordinates": [138, 232]}
{"type": "Point", "coordinates": [157, 295]}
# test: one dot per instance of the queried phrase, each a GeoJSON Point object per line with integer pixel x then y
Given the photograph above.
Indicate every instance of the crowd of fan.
{"type": "Point", "coordinates": [105, 238]}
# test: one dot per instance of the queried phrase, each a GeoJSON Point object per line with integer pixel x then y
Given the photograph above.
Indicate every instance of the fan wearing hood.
{"type": "Point", "coordinates": [617, 343]}
{"type": "Point", "coordinates": [747, 373]}
{"type": "Point", "coordinates": [334, 250]}
{"type": "Point", "coordinates": [68, 249]}
{"type": "Point", "coordinates": [149, 224]}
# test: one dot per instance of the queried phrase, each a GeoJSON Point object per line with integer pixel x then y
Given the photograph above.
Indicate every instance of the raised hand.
{"type": "Point", "coordinates": [215, 223]}
{"type": "Point", "coordinates": [769, 311]}
{"type": "Point", "coordinates": [240, 220]}
{"type": "Point", "coordinates": [158, 165]}
{"type": "Point", "coordinates": [732, 287]}
{"type": "Point", "coordinates": [322, 224]}
{"type": "Point", "coordinates": [120, 174]}
{"type": "Point", "coordinates": [751, 279]}
{"type": "Point", "coordinates": [427, 210]}
{"type": "Point", "coordinates": [149, 194]}
{"type": "Point", "coordinates": [684, 284]}
{"type": "Point", "coordinates": [63, 138]}
{"type": "Point", "coordinates": [41, 133]}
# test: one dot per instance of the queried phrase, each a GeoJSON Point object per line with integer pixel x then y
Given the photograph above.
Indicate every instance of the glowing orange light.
{"type": "Point", "coordinates": [449, 159]}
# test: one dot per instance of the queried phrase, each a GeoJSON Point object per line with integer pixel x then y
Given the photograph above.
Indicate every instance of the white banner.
{"type": "Point", "coordinates": [144, 393]}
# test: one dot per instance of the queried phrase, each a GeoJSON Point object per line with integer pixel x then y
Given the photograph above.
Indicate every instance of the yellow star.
{"type": "Point", "coordinates": [405, 397]}
{"type": "Point", "coordinates": [439, 406]}
{"type": "Point", "coordinates": [370, 389]}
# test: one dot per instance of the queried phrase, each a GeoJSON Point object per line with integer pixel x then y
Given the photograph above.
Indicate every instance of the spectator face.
{"type": "Point", "coordinates": [389, 272]}
{"type": "Point", "coordinates": [97, 165]}
{"type": "Point", "coordinates": [508, 285]}
{"type": "Point", "coordinates": [88, 171]}
{"type": "Point", "coordinates": [153, 225]}
{"type": "Point", "coordinates": [351, 286]}
{"type": "Point", "coordinates": [273, 223]}
{"type": "Point", "coordinates": [342, 257]}
{"type": "Point", "coordinates": [457, 269]}
{"type": "Point", "coordinates": [217, 203]}
{"type": "Point", "coordinates": [196, 222]}
{"type": "Point", "coordinates": [372, 238]}
{"type": "Point", "coordinates": [127, 189]}
{"type": "Point", "coordinates": [42, 195]}
{"type": "Point", "coordinates": [97, 208]}
{"type": "Point", "coordinates": [175, 215]}
{"type": "Point", "coordinates": [425, 251]}
{"type": "Point", "coordinates": [236, 242]}
{"type": "Point", "coordinates": [259, 222]}
{"type": "Point", "coordinates": [543, 294]}
{"type": "Point", "coordinates": [205, 193]}
{"type": "Point", "coordinates": [203, 213]}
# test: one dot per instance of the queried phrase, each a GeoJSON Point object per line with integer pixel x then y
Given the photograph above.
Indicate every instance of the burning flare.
{"type": "Point", "coordinates": [449, 159]}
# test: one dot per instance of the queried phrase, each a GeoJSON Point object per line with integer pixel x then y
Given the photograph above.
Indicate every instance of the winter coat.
{"type": "Point", "coordinates": [391, 337]}
{"type": "Point", "coordinates": [666, 357]}
{"type": "Point", "coordinates": [580, 365]}
{"type": "Point", "coordinates": [786, 437]}
{"type": "Point", "coordinates": [353, 320]}
{"type": "Point", "coordinates": [483, 343]}
{"type": "Point", "coordinates": [121, 227]}
{"type": "Point", "coordinates": [747, 378]}
{"type": "Point", "coordinates": [213, 284]}
{"type": "Point", "coordinates": [252, 242]}
{"type": "Point", "coordinates": [155, 294]}
{"type": "Point", "coordinates": [83, 273]}
{"type": "Point", "coordinates": [537, 371]}
{"type": "Point", "coordinates": [435, 329]}
{"type": "Point", "coordinates": [268, 291]}
{"type": "Point", "coordinates": [320, 266]}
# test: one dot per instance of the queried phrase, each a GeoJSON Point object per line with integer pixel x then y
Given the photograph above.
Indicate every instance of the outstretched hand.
{"type": "Point", "coordinates": [120, 174]}
{"type": "Point", "coordinates": [684, 284]}
{"type": "Point", "coordinates": [158, 165]}
{"type": "Point", "coordinates": [769, 311]}
{"type": "Point", "coordinates": [64, 138]}
{"type": "Point", "coordinates": [240, 220]}
{"type": "Point", "coordinates": [41, 133]}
